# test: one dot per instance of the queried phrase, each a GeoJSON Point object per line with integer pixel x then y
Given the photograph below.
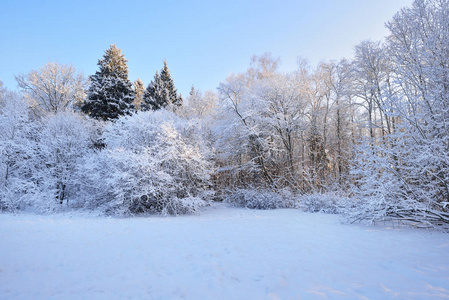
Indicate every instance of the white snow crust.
{"type": "Point", "coordinates": [224, 253]}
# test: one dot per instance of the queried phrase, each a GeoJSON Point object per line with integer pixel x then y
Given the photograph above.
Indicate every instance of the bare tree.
{"type": "Point", "coordinates": [201, 104]}
{"type": "Point", "coordinates": [404, 174]}
{"type": "Point", "coordinates": [53, 88]}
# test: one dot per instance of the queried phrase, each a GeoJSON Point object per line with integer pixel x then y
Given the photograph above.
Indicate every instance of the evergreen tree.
{"type": "Point", "coordinates": [192, 91]}
{"type": "Point", "coordinates": [154, 97]}
{"type": "Point", "coordinates": [179, 101]}
{"type": "Point", "coordinates": [172, 94]}
{"type": "Point", "coordinates": [161, 91]}
{"type": "Point", "coordinates": [139, 90]}
{"type": "Point", "coordinates": [110, 93]}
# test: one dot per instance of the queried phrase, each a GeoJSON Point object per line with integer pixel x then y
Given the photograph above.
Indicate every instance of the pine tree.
{"type": "Point", "coordinates": [172, 93]}
{"type": "Point", "coordinates": [179, 101]}
{"type": "Point", "coordinates": [161, 91]}
{"type": "Point", "coordinates": [154, 97]}
{"type": "Point", "coordinates": [139, 90]}
{"type": "Point", "coordinates": [110, 93]}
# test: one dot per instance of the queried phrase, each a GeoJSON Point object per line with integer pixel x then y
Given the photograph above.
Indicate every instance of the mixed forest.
{"type": "Point", "coordinates": [366, 137]}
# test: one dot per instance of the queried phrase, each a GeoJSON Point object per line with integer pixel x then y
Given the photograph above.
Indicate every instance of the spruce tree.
{"type": "Point", "coordinates": [139, 90]}
{"type": "Point", "coordinates": [161, 91]}
{"type": "Point", "coordinates": [154, 97]}
{"type": "Point", "coordinates": [172, 93]}
{"type": "Point", "coordinates": [179, 101]}
{"type": "Point", "coordinates": [110, 93]}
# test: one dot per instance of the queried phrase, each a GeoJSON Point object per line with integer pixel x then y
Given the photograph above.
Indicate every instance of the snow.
{"type": "Point", "coordinates": [224, 253]}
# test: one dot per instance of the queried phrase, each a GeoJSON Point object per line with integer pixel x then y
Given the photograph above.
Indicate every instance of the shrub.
{"type": "Point", "coordinates": [261, 199]}
{"type": "Point", "coordinates": [325, 203]}
{"type": "Point", "coordinates": [149, 166]}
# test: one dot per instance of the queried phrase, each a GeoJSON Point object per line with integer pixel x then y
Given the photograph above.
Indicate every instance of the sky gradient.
{"type": "Point", "coordinates": [203, 41]}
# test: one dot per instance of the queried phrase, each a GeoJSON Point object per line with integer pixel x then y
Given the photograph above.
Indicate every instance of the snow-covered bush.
{"type": "Point", "coordinates": [149, 166]}
{"type": "Point", "coordinates": [261, 199]}
{"type": "Point", "coordinates": [62, 144]}
{"type": "Point", "coordinates": [17, 148]}
{"type": "Point", "coordinates": [391, 185]}
{"type": "Point", "coordinates": [325, 203]}
{"type": "Point", "coordinates": [39, 158]}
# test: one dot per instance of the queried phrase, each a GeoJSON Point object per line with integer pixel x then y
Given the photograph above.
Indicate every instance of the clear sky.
{"type": "Point", "coordinates": [203, 41]}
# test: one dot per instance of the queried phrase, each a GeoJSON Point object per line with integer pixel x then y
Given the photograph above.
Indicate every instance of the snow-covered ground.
{"type": "Point", "coordinates": [224, 253]}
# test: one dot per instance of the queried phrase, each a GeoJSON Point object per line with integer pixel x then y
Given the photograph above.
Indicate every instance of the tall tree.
{"type": "Point", "coordinates": [110, 93]}
{"type": "Point", "coordinates": [17, 147]}
{"type": "Point", "coordinates": [53, 88]}
{"type": "Point", "coordinates": [153, 97]}
{"type": "Point", "coordinates": [139, 90]}
{"type": "Point", "coordinates": [201, 105]}
{"type": "Point", "coordinates": [161, 91]}
{"type": "Point", "coordinates": [172, 93]}
{"type": "Point", "coordinates": [338, 79]}
{"type": "Point", "coordinates": [405, 174]}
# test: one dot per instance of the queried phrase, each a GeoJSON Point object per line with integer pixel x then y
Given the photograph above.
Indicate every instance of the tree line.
{"type": "Point", "coordinates": [371, 131]}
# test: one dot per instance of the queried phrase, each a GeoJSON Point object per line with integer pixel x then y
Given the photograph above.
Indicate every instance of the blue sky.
{"type": "Point", "coordinates": [203, 41]}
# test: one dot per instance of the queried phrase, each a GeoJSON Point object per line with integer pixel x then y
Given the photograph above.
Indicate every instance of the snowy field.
{"type": "Point", "coordinates": [224, 253]}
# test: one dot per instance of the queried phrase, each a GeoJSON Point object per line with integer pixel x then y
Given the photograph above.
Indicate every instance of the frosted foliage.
{"type": "Point", "coordinates": [258, 126]}
{"type": "Point", "coordinates": [201, 105]}
{"type": "Point", "coordinates": [151, 166]}
{"type": "Point", "coordinates": [53, 88]}
{"type": "Point", "coordinates": [283, 130]}
{"type": "Point", "coordinates": [261, 199]}
{"type": "Point", "coordinates": [161, 92]}
{"type": "Point", "coordinates": [39, 161]}
{"type": "Point", "coordinates": [114, 63]}
{"type": "Point", "coordinates": [374, 129]}
{"type": "Point", "coordinates": [62, 145]}
{"type": "Point", "coordinates": [110, 93]}
{"type": "Point", "coordinates": [404, 175]}
{"type": "Point", "coordinates": [139, 89]}
{"type": "Point", "coordinates": [323, 203]}
{"type": "Point", "coordinates": [109, 97]}
{"type": "Point", "coordinates": [16, 151]}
